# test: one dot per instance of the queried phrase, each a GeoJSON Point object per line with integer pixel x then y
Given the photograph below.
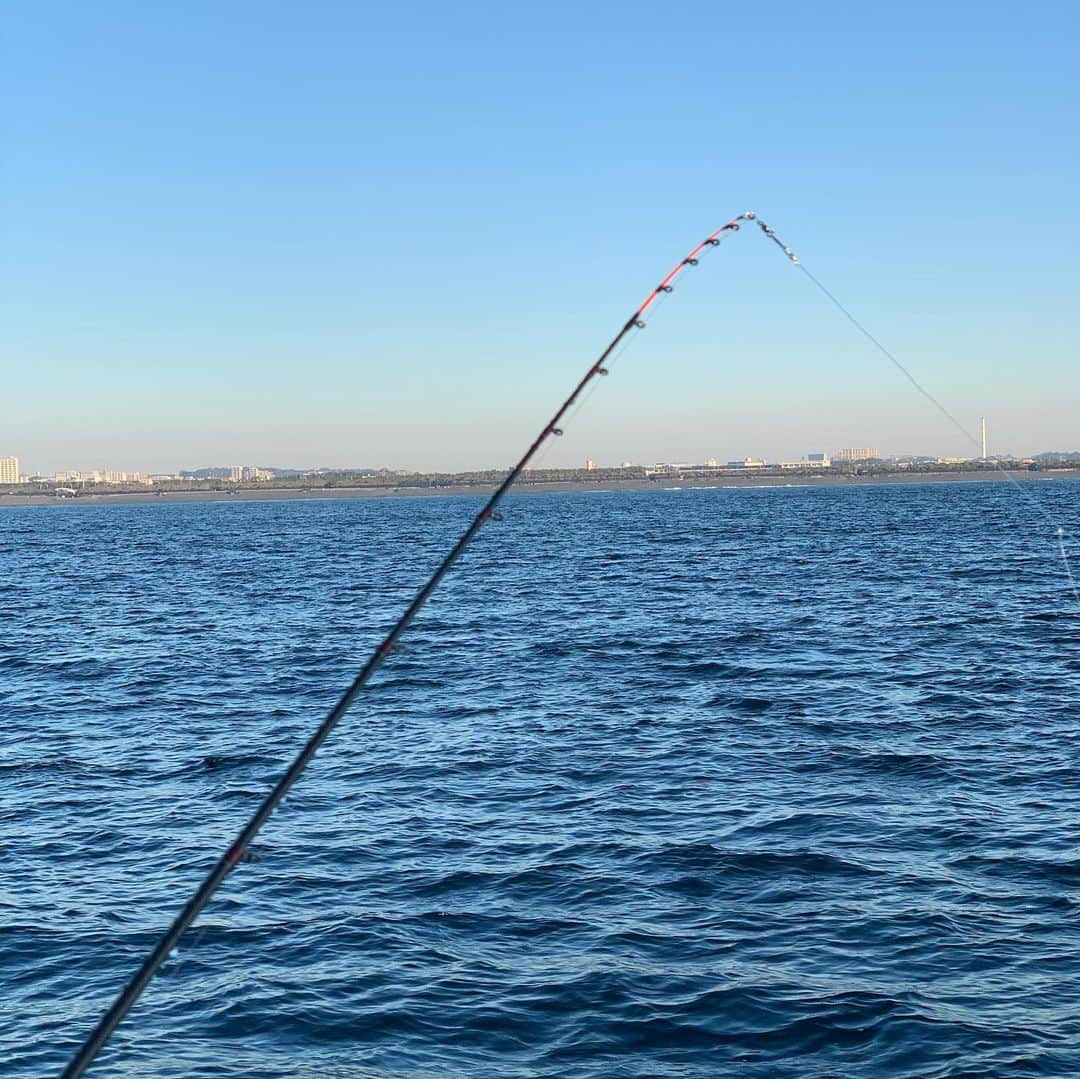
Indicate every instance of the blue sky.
{"type": "Point", "coordinates": [392, 235]}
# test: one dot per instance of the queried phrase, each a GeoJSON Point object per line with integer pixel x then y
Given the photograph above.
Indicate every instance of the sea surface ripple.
{"type": "Point", "coordinates": [680, 783]}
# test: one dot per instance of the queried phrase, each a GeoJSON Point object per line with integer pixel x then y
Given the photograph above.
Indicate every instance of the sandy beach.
{"type": "Point", "coordinates": [247, 494]}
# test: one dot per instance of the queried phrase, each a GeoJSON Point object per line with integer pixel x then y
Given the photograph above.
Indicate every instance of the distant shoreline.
{"type": "Point", "coordinates": [264, 494]}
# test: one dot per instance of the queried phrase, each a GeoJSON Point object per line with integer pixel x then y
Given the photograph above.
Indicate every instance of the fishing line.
{"type": "Point", "coordinates": [662, 299]}
{"type": "Point", "coordinates": [1033, 502]}
{"type": "Point", "coordinates": [1065, 562]}
{"type": "Point", "coordinates": [626, 344]}
{"type": "Point", "coordinates": [656, 305]}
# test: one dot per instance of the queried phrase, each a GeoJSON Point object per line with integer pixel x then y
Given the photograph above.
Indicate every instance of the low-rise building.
{"type": "Point", "coordinates": [811, 460]}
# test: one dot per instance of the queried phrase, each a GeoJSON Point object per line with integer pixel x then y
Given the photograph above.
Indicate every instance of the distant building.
{"type": "Point", "coordinates": [247, 473]}
{"type": "Point", "coordinates": [711, 462]}
{"type": "Point", "coordinates": [590, 465]}
{"type": "Point", "coordinates": [747, 462]}
{"type": "Point", "coordinates": [812, 460]}
{"type": "Point", "coordinates": [857, 453]}
{"type": "Point", "coordinates": [9, 470]}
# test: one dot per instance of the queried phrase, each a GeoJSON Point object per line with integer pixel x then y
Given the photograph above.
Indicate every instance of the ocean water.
{"type": "Point", "coordinates": [686, 783]}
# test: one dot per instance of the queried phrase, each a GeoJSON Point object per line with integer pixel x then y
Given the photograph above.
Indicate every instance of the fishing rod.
{"type": "Point", "coordinates": [228, 861]}
{"type": "Point", "coordinates": [166, 946]}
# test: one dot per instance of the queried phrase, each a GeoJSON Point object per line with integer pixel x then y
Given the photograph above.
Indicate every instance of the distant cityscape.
{"type": "Point", "coordinates": [11, 474]}
{"type": "Point", "coordinates": [847, 460]}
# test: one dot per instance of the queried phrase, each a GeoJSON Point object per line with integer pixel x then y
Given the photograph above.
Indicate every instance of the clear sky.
{"type": "Point", "coordinates": [346, 234]}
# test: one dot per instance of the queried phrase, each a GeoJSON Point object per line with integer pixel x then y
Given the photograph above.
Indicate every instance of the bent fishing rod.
{"type": "Point", "coordinates": [166, 946]}
{"type": "Point", "coordinates": [228, 861]}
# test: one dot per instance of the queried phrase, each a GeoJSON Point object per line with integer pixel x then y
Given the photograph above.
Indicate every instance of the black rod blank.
{"type": "Point", "coordinates": [228, 861]}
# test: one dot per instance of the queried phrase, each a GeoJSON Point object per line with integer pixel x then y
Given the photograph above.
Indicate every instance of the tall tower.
{"type": "Point", "coordinates": [982, 432]}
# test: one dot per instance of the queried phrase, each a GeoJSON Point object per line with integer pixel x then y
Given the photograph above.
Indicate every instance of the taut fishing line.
{"type": "Point", "coordinates": [624, 346]}
{"type": "Point", "coordinates": [237, 851]}
{"type": "Point", "coordinates": [1034, 503]}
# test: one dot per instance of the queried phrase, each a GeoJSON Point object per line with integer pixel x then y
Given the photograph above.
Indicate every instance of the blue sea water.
{"type": "Point", "coordinates": [688, 783]}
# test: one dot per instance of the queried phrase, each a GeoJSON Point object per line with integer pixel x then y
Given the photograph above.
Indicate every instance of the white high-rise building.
{"type": "Point", "coordinates": [9, 470]}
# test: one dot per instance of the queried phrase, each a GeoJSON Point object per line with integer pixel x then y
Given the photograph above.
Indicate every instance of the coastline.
{"type": "Point", "coordinates": [264, 494]}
